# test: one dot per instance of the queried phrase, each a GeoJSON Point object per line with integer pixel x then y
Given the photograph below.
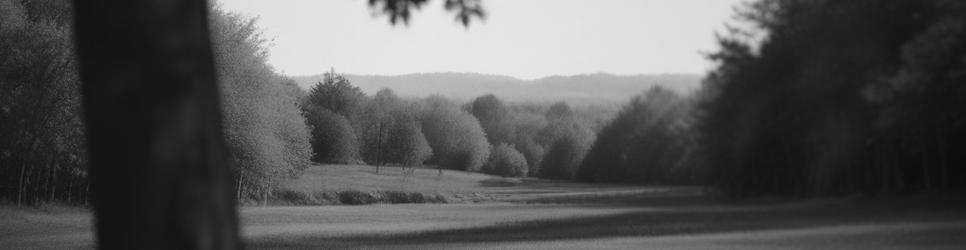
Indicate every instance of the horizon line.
{"type": "Point", "coordinates": [501, 75]}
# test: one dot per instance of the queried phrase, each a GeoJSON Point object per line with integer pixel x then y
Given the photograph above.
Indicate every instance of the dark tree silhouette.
{"type": "Point", "coordinates": [834, 97]}
{"type": "Point", "coordinates": [645, 143]}
{"type": "Point", "coordinates": [160, 178]}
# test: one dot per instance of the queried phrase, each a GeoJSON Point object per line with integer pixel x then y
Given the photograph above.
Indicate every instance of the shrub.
{"type": "Point", "coordinates": [355, 197]}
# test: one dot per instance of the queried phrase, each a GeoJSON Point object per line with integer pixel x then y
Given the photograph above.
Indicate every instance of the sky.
{"type": "Point", "coordinates": [526, 39]}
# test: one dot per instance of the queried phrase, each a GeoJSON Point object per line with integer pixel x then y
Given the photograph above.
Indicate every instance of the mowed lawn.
{"type": "Point", "coordinates": [365, 178]}
{"type": "Point", "coordinates": [529, 214]}
{"type": "Point", "coordinates": [459, 185]}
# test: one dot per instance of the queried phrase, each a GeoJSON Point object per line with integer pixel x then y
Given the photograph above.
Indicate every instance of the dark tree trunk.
{"type": "Point", "coordinates": [158, 169]}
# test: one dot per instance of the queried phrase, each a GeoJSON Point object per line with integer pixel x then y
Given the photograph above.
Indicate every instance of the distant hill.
{"type": "Point", "coordinates": [578, 89]}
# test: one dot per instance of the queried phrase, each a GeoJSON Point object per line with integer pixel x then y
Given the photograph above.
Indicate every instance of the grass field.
{"type": "Point", "coordinates": [528, 214]}
{"type": "Point", "coordinates": [457, 186]}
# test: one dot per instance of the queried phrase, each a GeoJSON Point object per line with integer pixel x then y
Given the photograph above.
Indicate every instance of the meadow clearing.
{"type": "Point", "coordinates": [493, 212]}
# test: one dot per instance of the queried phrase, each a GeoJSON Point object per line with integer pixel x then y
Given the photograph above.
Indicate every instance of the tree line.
{"type": "Point", "coordinates": [484, 135]}
{"type": "Point", "coordinates": [809, 97]}
{"type": "Point", "coordinates": [42, 145]}
{"type": "Point", "coordinates": [828, 97]}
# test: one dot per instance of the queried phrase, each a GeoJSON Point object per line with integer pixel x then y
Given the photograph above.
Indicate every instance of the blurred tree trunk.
{"type": "Point", "coordinates": [158, 168]}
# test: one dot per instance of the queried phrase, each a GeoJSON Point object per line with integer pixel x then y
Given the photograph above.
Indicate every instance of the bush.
{"type": "Point", "coordinates": [355, 197]}
{"type": "Point", "coordinates": [506, 161]}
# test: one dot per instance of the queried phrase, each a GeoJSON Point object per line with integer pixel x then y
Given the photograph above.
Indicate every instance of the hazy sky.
{"type": "Point", "coordinates": [521, 38]}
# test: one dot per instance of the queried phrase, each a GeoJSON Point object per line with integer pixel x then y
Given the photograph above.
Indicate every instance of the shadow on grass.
{"type": "Point", "coordinates": [650, 221]}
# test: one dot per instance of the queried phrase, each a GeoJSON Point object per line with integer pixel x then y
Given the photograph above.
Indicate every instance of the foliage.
{"type": "Point", "coordinates": [525, 125]}
{"type": "Point", "coordinates": [42, 153]}
{"type": "Point", "coordinates": [559, 111]}
{"type": "Point", "coordinates": [560, 161]}
{"type": "Point", "coordinates": [266, 133]}
{"type": "Point", "coordinates": [532, 152]}
{"type": "Point", "coordinates": [336, 94]}
{"type": "Point", "coordinates": [390, 133]}
{"type": "Point", "coordinates": [407, 145]}
{"type": "Point", "coordinates": [333, 137]}
{"type": "Point", "coordinates": [567, 142]}
{"type": "Point", "coordinates": [645, 143]}
{"type": "Point", "coordinates": [506, 161]}
{"type": "Point", "coordinates": [399, 10]}
{"type": "Point", "coordinates": [826, 97]}
{"type": "Point", "coordinates": [492, 114]}
{"type": "Point", "coordinates": [455, 136]}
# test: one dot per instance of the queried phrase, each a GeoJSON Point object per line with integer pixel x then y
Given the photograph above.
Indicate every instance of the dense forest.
{"type": "Point", "coordinates": [833, 97]}
{"type": "Point", "coordinates": [808, 98]}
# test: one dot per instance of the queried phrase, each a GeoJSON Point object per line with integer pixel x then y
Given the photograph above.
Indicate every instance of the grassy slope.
{"type": "Point", "coordinates": [365, 178]}
{"type": "Point", "coordinates": [457, 185]}
{"type": "Point", "coordinates": [551, 215]}
{"type": "Point", "coordinates": [49, 227]}
{"type": "Point", "coordinates": [627, 222]}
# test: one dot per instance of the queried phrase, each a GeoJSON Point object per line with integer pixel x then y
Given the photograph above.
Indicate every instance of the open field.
{"type": "Point", "coordinates": [365, 178]}
{"type": "Point", "coordinates": [457, 186]}
{"type": "Point", "coordinates": [544, 214]}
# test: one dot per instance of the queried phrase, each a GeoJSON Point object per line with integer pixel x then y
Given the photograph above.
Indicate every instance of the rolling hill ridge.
{"type": "Point", "coordinates": [577, 89]}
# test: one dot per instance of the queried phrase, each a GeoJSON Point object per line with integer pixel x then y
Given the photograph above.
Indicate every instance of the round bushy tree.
{"type": "Point", "coordinates": [333, 138]}
{"type": "Point", "coordinates": [457, 140]}
{"type": "Point", "coordinates": [506, 161]}
{"type": "Point", "coordinates": [390, 132]}
{"type": "Point", "coordinates": [406, 144]}
{"type": "Point", "coordinates": [492, 115]}
{"type": "Point", "coordinates": [267, 137]}
{"type": "Point", "coordinates": [566, 142]}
